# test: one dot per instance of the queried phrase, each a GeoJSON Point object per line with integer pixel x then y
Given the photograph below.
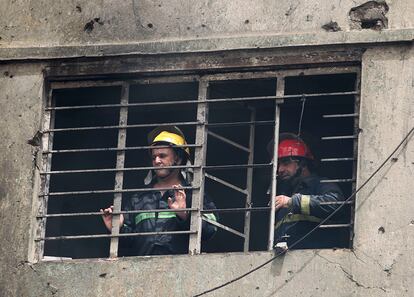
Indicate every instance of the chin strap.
{"type": "Point", "coordinates": [186, 174]}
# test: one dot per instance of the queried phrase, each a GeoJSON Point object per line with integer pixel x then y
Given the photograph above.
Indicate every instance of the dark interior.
{"type": "Point", "coordinates": [313, 127]}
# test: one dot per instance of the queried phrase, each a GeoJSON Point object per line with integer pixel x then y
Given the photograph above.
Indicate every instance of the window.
{"type": "Point", "coordinates": [95, 151]}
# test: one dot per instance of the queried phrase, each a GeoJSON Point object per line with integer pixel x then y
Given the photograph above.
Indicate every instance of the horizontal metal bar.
{"type": "Point", "coordinates": [335, 226]}
{"type": "Point", "coordinates": [158, 103]}
{"type": "Point", "coordinates": [337, 202]}
{"type": "Point", "coordinates": [106, 149]}
{"type": "Point", "coordinates": [223, 182]}
{"type": "Point", "coordinates": [111, 236]}
{"type": "Point", "coordinates": [239, 209]}
{"type": "Point", "coordinates": [98, 213]}
{"type": "Point", "coordinates": [228, 141]}
{"type": "Point", "coordinates": [116, 169]}
{"type": "Point", "coordinates": [344, 115]}
{"type": "Point", "coordinates": [339, 137]}
{"type": "Point", "coordinates": [237, 166]}
{"type": "Point", "coordinates": [337, 159]}
{"type": "Point", "coordinates": [111, 191]}
{"type": "Point", "coordinates": [224, 227]}
{"type": "Point", "coordinates": [122, 127]}
{"type": "Point", "coordinates": [340, 180]}
{"type": "Point", "coordinates": [216, 100]}
{"type": "Point", "coordinates": [230, 124]}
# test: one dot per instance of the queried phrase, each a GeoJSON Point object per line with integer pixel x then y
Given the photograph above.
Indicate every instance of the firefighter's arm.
{"type": "Point", "coordinates": [314, 204]}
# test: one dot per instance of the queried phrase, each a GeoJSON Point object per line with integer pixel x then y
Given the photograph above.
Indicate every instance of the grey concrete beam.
{"type": "Point", "coordinates": [208, 44]}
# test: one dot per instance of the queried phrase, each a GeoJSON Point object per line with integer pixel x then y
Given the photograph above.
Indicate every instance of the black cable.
{"type": "Point", "coordinates": [317, 226]}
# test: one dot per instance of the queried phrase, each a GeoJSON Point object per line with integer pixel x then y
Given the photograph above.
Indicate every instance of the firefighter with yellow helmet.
{"type": "Point", "coordinates": [301, 199]}
{"type": "Point", "coordinates": [168, 153]}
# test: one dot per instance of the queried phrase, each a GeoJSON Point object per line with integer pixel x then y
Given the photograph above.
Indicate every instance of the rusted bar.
{"type": "Point", "coordinates": [339, 137]}
{"type": "Point", "coordinates": [335, 226]}
{"type": "Point", "coordinates": [249, 180]}
{"type": "Point", "coordinates": [232, 124]}
{"type": "Point", "coordinates": [355, 153]}
{"type": "Point", "coordinates": [337, 202]}
{"type": "Point", "coordinates": [227, 184]}
{"type": "Point", "coordinates": [217, 100]}
{"type": "Point", "coordinates": [280, 90]}
{"type": "Point", "coordinates": [345, 115]}
{"type": "Point", "coordinates": [114, 169]}
{"type": "Point", "coordinates": [337, 159]}
{"type": "Point", "coordinates": [112, 236]}
{"type": "Point", "coordinates": [231, 230]}
{"type": "Point", "coordinates": [47, 144]}
{"type": "Point", "coordinates": [239, 209]}
{"type": "Point", "coordinates": [228, 141]}
{"type": "Point", "coordinates": [339, 180]}
{"type": "Point", "coordinates": [105, 149]}
{"type": "Point", "coordinates": [194, 246]}
{"type": "Point", "coordinates": [97, 213]}
{"type": "Point", "coordinates": [112, 191]}
{"type": "Point", "coordinates": [125, 126]}
{"type": "Point", "coordinates": [119, 175]}
{"type": "Point", "coordinates": [237, 166]}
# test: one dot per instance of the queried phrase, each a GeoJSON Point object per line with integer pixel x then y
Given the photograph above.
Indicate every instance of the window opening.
{"type": "Point", "coordinates": [95, 152]}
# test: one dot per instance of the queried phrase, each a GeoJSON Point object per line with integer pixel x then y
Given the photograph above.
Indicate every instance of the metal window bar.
{"type": "Point", "coordinates": [280, 90]}
{"type": "Point", "coordinates": [47, 143]}
{"type": "Point", "coordinates": [249, 181]}
{"type": "Point", "coordinates": [119, 175]}
{"type": "Point", "coordinates": [199, 160]}
{"type": "Point", "coordinates": [200, 146]}
{"type": "Point", "coordinates": [216, 100]}
{"type": "Point", "coordinates": [355, 153]}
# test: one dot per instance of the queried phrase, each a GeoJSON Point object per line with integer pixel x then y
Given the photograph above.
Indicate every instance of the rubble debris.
{"type": "Point", "coordinates": [381, 230]}
{"type": "Point", "coordinates": [370, 15]}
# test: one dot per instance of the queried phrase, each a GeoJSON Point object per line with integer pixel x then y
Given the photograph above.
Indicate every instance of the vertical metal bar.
{"type": "Point", "coordinates": [355, 154]}
{"type": "Point", "coordinates": [280, 90]}
{"type": "Point", "coordinates": [47, 144]}
{"type": "Point", "coordinates": [199, 160]}
{"type": "Point", "coordinates": [249, 181]}
{"type": "Point", "coordinates": [119, 176]}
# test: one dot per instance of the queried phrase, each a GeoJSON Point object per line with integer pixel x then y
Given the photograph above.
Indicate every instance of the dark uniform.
{"type": "Point", "coordinates": [162, 244]}
{"type": "Point", "coordinates": [306, 212]}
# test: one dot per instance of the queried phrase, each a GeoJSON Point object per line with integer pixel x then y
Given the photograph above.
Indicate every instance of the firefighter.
{"type": "Point", "coordinates": [300, 198]}
{"type": "Point", "coordinates": [168, 149]}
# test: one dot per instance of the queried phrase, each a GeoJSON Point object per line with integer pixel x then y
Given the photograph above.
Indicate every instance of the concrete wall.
{"type": "Point", "coordinates": [382, 262]}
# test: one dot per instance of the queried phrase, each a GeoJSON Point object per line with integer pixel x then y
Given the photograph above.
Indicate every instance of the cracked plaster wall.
{"type": "Point", "coordinates": [380, 265]}
{"type": "Point", "coordinates": [51, 23]}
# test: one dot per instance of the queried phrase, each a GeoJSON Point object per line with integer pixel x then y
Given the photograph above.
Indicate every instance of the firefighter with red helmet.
{"type": "Point", "coordinates": [165, 184]}
{"type": "Point", "coordinates": [301, 198]}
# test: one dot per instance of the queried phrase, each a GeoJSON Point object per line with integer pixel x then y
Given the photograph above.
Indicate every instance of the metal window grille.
{"type": "Point", "coordinates": [205, 129]}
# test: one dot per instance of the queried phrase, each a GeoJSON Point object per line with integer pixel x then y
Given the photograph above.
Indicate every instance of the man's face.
{"type": "Point", "coordinates": [162, 157]}
{"type": "Point", "coordinates": [287, 168]}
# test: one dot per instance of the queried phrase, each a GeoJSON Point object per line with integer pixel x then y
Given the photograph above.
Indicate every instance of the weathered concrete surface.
{"type": "Point", "coordinates": [43, 22]}
{"type": "Point", "coordinates": [385, 210]}
{"type": "Point", "coordinates": [20, 113]}
{"type": "Point", "coordinates": [381, 264]}
{"type": "Point", "coordinates": [42, 28]}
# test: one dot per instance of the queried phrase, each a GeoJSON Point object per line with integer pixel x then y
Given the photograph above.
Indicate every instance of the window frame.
{"type": "Point", "coordinates": [200, 146]}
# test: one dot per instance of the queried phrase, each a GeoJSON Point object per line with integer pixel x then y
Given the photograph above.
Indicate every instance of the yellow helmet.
{"type": "Point", "coordinates": [168, 134]}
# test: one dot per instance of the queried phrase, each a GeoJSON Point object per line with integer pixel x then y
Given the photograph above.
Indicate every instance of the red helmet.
{"type": "Point", "coordinates": [294, 148]}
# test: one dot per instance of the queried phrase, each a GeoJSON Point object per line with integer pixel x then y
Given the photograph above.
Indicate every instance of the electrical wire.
{"type": "Point", "coordinates": [301, 115]}
{"type": "Point", "coordinates": [316, 227]}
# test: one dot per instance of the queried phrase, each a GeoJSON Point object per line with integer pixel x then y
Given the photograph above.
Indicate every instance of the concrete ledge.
{"type": "Point", "coordinates": [212, 44]}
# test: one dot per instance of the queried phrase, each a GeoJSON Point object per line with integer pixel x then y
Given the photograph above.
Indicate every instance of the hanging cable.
{"type": "Point", "coordinates": [303, 99]}
{"type": "Point", "coordinates": [317, 226]}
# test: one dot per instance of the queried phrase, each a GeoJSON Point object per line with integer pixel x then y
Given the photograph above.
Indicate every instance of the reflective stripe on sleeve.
{"type": "Point", "coordinates": [296, 218]}
{"type": "Point", "coordinates": [305, 205]}
{"type": "Point", "coordinates": [210, 216]}
{"type": "Point", "coordinates": [151, 215]}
